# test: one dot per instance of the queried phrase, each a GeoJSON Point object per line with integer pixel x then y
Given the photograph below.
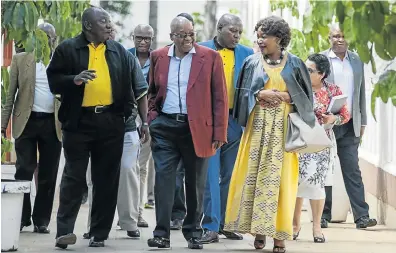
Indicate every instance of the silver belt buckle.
{"type": "Point", "coordinates": [180, 118]}
{"type": "Point", "coordinates": [98, 107]}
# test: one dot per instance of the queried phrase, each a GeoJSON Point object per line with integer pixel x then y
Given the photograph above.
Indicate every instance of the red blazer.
{"type": "Point", "coordinates": [206, 97]}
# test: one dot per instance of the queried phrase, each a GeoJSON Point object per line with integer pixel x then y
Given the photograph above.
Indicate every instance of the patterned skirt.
{"type": "Point", "coordinates": [263, 187]}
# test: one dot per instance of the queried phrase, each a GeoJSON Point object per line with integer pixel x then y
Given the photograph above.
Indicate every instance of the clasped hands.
{"type": "Point", "coordinates": [272, 98]}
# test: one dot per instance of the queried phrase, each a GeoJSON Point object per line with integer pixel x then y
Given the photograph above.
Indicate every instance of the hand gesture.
{"type": "Point", "coordinates": [85, 76]}
{"type": "Point", "coordinates": [270, 98]}
{"type": "Point", "coordinates": [329, 118]}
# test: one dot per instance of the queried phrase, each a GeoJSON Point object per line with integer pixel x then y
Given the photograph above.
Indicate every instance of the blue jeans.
{"type": "Point", "coordinates": [220, 170]}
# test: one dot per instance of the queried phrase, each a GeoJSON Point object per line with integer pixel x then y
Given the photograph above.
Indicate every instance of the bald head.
{"type": "Point", "coordinates": [229, 30]}
{"type": "Point", "coordinates": [143, 28]}
{"type": "Point", "coordinates": [178, 23]}
{"type": "Point", "coordinates": [50, 31]}
{"type": "Point", "coordinates": [96, 24]}
{"type": "Point", "coordinates": [228, 19]}
{"type": "Point", "coordinates": [142, 38]}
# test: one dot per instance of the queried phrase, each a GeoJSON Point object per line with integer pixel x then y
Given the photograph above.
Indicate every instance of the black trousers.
{"type": "Point", "coordinates": [179, 203]}
{"type": "Point", "coordinates": [99, 136]}
{"type": "Point", "coordinates": [170, 142]}
{"type": "Point", "coordinates": [348, 145]}
{"type": "Point", "coordinates": [39, 133]}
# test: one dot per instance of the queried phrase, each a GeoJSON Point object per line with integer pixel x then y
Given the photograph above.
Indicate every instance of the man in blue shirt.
{"type": "Point", "coordinates": [142, 37]}
{"type": "Point", "coordinates": [221, 165]}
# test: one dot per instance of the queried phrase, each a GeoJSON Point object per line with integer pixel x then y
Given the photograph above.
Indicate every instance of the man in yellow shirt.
{"type": "Point", "coordinates": [100, 83]}
{"type": "Point", "coordinates": [229, 30]}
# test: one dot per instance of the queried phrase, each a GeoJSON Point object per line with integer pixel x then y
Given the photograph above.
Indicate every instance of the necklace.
{"type": "Point", "coordinates": [274, 62]}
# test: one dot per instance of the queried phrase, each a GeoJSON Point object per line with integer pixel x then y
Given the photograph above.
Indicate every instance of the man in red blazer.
{"type": "Point", "coordinates": [188, 115]}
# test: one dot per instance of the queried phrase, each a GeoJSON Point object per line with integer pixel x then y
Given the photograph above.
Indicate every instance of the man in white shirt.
{"type": "Point", "coordinates": [35, 124]}
{"type": "Point", "coordinates": [347, 72]}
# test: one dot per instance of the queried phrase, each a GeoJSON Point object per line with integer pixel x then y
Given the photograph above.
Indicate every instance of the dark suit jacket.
{"type": "Point", "coordinates": [71, 58]}
{"type": "Point", "coordinates": [207, 102]}
{"type": "Point", "coordinates": [358, 113]}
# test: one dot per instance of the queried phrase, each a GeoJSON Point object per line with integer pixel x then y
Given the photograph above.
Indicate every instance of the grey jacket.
{"type": "Point", "coordinates": [253, 78]}
{"type": "Point", "coordinates": [358, 114]}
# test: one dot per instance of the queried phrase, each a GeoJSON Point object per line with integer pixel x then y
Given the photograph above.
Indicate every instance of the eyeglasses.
{"type": "Point", "coordinates": [140, 38]}
{"type": "Point", "coordinates": [311, 71]}
{"type": "Point", "coordinates": [184, 35]}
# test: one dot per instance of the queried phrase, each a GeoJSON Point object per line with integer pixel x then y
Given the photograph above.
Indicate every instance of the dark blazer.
{"type": "Point", "coordinates": [71, 58]}
{"type": "Point", "coordinates": [207, 101]}
{"type": "Point", "coordinates": [358, 113]}
{"type": "Point", "coordinates": [253, 78]}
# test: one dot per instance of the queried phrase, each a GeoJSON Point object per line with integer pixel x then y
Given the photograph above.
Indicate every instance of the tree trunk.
{"type": "Point", "coordinates": [210, 19]}
{"type": "Point", "coordinates": [153, 21]}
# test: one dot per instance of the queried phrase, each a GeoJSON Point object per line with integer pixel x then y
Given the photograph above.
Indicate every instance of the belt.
{"type": "Point", "coordinates": [97, 109]}
{"type": "Point", "coordinates": [177, 116]}
{"type": "Point", "coordinates": [41, 115]}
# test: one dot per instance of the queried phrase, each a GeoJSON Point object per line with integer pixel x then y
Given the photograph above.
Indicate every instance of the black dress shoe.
{"type": "Point", "coordinates": [176, 224]}
{"type": "Point", "coordinates": [365, 222]}
{"type": "Point", "coordinates": [86, 236]}
{"type": "Point", "coordinates": [194, 243]}
{"type": "Point", "coordinates": [65, 240]}
{"type": "Point", "coordinates": [25, 224]}
{"type": "Point", "coordinates": [324, 223]}
{"type": "Point", "coordinates": [61, 246]}
{"type": "Point", "coordinates": [209, 237]}
{"type": "Point", "coordinates": [159, 242]}
{"type": "Point", "coordinates": [231, 235]}
{"type": "Point", "coordinates": [134, 234]}
{"type": "Point", "coordinates": [142, 223]}
{"type": "Point", "coordinates": [96, 243]}
{"type": "Point", "coordinates": [41, 230]}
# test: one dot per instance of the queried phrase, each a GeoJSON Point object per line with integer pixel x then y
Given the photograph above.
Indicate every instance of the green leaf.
{"type": "Point", "coordinates": [26, 18]}
{"type": "Point", "coordinates": [360, 27]}
{"type": "Point", "coordinates": [340, 12]}
{"type": "Point", "coordinates": [33, 16]}
{"type": "Point", "coordinates": [373, 64]}
{"type": "Point", "coordinates": [374, 96]}
{"type": "Point", "coordinates": [376, 17]}
{"type": "Point", "coordinates": [347, 27]}
{"type": "Point", "coordinates": [385, 7]}
{"type": "Point", "coordinates": [357, 4]}
{"type": "Point", "coordinates": [391, 47]}
{"type": "Point", "coordinates": [10, 6]}
{"type": "Point", "coordinates": [363, 52]}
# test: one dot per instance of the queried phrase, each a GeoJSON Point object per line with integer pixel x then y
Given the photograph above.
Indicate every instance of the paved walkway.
{"type": "Point", "coordinates": [341, 238]}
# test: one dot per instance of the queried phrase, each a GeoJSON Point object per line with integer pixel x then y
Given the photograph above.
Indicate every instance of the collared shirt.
{"type": "Point", "coordinates": [43, 98]}
{"type": "Point", "coordinates": [178, 76]}
{"type": "Point", "coordinates": [343, 76]}
{"type": "Point", "coordinates": [146, 67]}
{"type": "Point", "coordinates": [99, 90]}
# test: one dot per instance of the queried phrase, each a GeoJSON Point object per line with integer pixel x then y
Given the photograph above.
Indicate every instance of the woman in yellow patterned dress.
{"type": "Point", "coordinates": [264, 183]}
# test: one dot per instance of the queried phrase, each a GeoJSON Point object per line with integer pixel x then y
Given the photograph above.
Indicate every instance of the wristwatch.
{"type": "Point", "coordinates": [145, 124]}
